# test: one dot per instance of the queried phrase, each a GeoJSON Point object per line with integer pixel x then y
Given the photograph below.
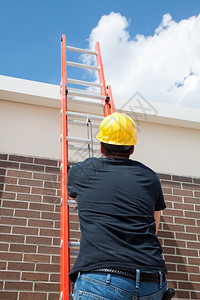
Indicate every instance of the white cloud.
{"type": "Point", "coordinates": [164, 67]}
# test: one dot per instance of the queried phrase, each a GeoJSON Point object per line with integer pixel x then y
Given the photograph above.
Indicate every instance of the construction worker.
{"type": "Point", "coordinates": [119, 204]}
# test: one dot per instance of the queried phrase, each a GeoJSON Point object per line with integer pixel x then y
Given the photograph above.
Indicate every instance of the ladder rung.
{"type": "Point", "coordinates": [81, 50]}
{"type": "Point", "coordinates": [78, 139]}
{"type": "Point", "coordinates": [74, 244]}
{"type": "Point", "coordinates": [76, 147]}
{"type": "Point", "coordinates": [86, 95]}
{"type": "Point", "coordinates": [71, 89]}
{"type": "Point", "coordinates": [80, 101]}
{"type": "Point", "coordinates": [72, 202]}
{"type": "Point", "coordinates": [78, 122]}
{"type": "Point", "coordinates": [76, 114]}
{"type": "Point", "coordinates": [78, 65]}
{"type": "Point", "coordinates": [81, 82]}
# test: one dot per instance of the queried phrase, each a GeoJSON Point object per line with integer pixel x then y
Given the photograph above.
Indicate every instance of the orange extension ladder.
{"type": "Point", "coordinates": [105, 96]}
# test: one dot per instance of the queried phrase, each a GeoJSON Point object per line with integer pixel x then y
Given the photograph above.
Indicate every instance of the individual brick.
{"type": "Point", "coordinates": [50, 216]}
{"type": "Point", "coordinates": [53, 296]}
{"type": "Point", "coordinates": [164, 176]}
{"type": "Point", "coordinates": [30, 167]}
{"type": "Point", "coordinates": [3, 156]}
{"type": "Point", "coordinates": [19, 174]}
{"type": "Point", "coordinates": [9, 275]}
{"type": "Point", "coordinates": [40, 223]}
{"type": "Point", "coordinates": [30, 182]}
{"type": "Point", "coordinates": [6, 211]}
{"type": "Point", "coordinates": [50, 232]}
{"type": "Point", "coordinates": [51, 200]}
{"type": "Point", "coordinates": [5, 295]}
{"type": "Point", "coordinates": [182, 192]}
{"type": "Point", "coordinates": [2, 265]}
{"type": "Point", "coordinates": [36, 258]}
{"type": "Point", "coordinates": [6, 256]}
{"type": "Point", "coordinates": [8, 195]}
{"type": "Point", "coordinates": [22, 248]}
{"type": "Point", "coordinates": [55, 277]}
{"type": "Point", "coordinates": [46, 162]}
{"type": "Point", "coordinates": [49, 250]}
{"type": "Point", "coordinates": [9, 180]}
{"type": "Point", "coordinates": [49, 287]}
{"type": "Point", "coordinates": [54, 268]}
{"type": "Point", "coordinates": [171, 184]}
{"type": "Point", "coordinates": [32, 296]}
{"type": "Point", "coordinates": [181, 178]}
{"type": "Point", "coordinates": [17, 188]}
{"type": "Point", "coordinates": [190, 186]}
{"type": "Point", "coordinates": [15, 204]}
{"type": "Point", "coordinates": [20, 158]}
{"type": "Point", "coordinates": [11, 238]}
{"type": "Point", "coordinates": [29, 197]}
{"type": "Point", "coordinates": [27, 213]}
{"type": "Point", "coordinates": [21, 266]}
{"type": "Point", "coordinates": [18, 285]}
{"type": "Point", "coordinates": [43, 191]}
{"type": "Point", "coordinates": [53, 170]}
{"type": "Point", "coordinates": [25, 230]}
{"type": "Point", "coordinates": [12, 220]}
{"type": "Point", "coordinates": [38, 240]}
{"type": "Point", "coordinates": [186, 236]}
{"type": "Point", "coordinates": [5, 229]}
{"type": "Point", "coordinates": [9, 164]}
{"type": "Point", "coordinates": [44, 176]}
{"type": "Point", "coordinates": [35, 276]}
{"type": "Point", "coordinates": [187, 269]}
{"type": "Point", "coordinates": [41, 207]}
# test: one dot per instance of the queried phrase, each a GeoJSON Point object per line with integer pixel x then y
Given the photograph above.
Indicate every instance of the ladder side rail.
{"type": "Point", "coordinates": [111, 101]}
{"type": "Point", "coordinates": [108, 103]}
{"type": "Point", "coordinates": [101, 75]}
{"type": "Point", "coordinates": [64, 209]}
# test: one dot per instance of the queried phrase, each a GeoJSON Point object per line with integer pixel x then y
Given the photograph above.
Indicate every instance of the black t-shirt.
{"type": "Point", "coordinates": [116, 203]}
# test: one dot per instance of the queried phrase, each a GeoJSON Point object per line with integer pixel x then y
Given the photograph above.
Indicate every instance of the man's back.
{"type": "Point", "coordinates": [116, 201]}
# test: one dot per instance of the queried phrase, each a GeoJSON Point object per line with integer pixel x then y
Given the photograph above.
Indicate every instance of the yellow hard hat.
{"type": "Point", "coordinates": [118, 129]}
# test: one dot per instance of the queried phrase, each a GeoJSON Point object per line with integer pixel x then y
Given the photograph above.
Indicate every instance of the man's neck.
{"type": "Point", "coordinates": [121, 157]}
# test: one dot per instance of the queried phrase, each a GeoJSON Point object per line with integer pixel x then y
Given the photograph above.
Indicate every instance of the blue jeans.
{"type": "Point", "coordinates": [103, 286]}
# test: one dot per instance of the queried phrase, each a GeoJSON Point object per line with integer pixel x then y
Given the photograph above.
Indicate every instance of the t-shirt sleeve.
{"type": "Point", "coordinates": [160, 202]}
{"type": "Point", "coordinates": [71, 186]}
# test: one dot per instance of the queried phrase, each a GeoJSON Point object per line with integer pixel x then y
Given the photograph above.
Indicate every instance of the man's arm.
{"type": "Point", "coordinates": [157, 219]}
{"type": "Point", "coordinates": [71, 186]}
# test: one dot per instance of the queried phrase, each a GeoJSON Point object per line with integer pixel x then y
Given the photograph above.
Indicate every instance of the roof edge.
{"type": "Point", "coordinates": [45, 94]}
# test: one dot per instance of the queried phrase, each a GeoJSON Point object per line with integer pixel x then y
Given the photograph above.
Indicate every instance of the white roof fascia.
{"type": "Point", "coordinates": [45, 94]}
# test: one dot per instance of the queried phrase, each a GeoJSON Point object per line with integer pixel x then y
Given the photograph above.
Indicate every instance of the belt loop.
{"type": "Point", "coordinates": [79, 275]}
{"type": "Point", "coordinates": [108, 278]}
{"type": "Point", "coordinates": [160, 285]}
{"type": "Point", "coordinates": [137, 284]}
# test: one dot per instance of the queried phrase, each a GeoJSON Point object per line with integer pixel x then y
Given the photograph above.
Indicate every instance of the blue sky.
{"type": "Point", "coordinates": [30, 30]}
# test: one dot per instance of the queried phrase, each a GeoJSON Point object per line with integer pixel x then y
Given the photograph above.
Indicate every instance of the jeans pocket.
{"type": "Point", "coordinates": [157, 295]}
{"type": "Point", "coordinates": [82, 295]}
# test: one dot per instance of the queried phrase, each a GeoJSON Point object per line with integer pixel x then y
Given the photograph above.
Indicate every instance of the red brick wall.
{"type": "Point", "coordinates": [29, 230]}
{"type": "Point", "coordinates": [180, 234]}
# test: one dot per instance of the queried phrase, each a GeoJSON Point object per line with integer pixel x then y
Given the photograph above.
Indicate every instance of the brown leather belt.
{"type": "Point", "coordinates": [149, 277]}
